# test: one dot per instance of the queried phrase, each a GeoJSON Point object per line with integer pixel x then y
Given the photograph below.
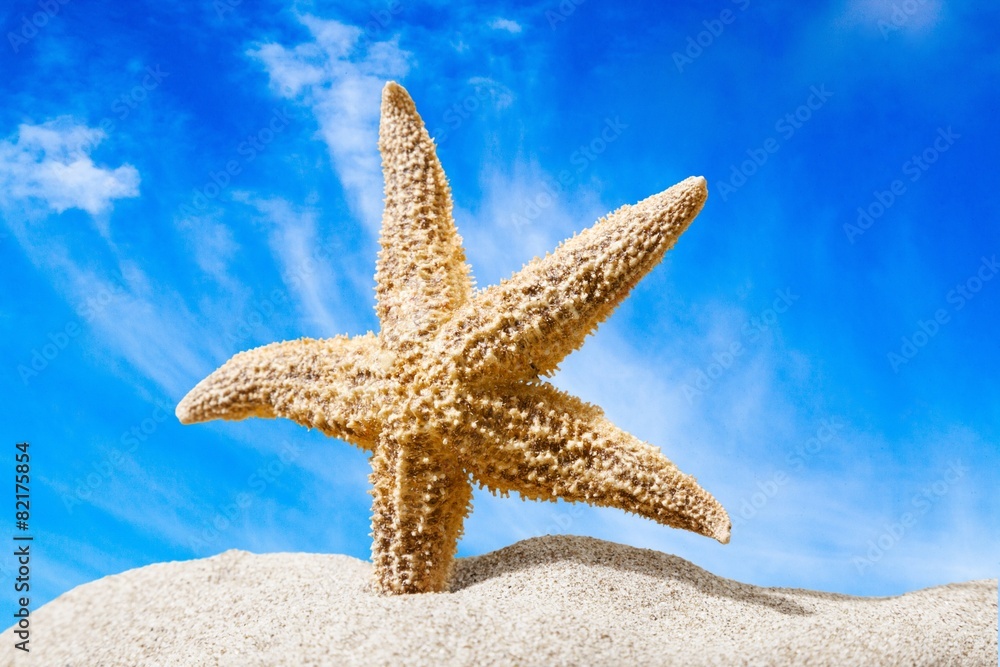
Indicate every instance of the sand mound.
{"type": "Point", "coordinates": [545, 601]}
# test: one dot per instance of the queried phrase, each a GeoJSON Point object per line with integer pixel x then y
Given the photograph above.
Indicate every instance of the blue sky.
{"type": "Point", "coordinates": [183, 181]}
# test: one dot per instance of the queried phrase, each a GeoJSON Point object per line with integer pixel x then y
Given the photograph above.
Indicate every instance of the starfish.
{"type": "Point", "coordinates": [450, 391]}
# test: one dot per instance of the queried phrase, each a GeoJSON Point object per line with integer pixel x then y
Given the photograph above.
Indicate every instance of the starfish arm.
{"type": "Point", "coordinates": [326, 384]}
{"type": "Point", "coordinates": [420, 501]}
{"type": "Point", "coordinates": [546, 444]}
{"type": "Point", "coordinates": [421, 275]}
{"type": "Point", "coordinates": [527, 324]}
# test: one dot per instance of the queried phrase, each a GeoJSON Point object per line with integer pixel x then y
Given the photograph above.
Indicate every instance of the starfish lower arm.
{"type": "Point", "coordinates": [417, 514]}
{"type": "Point", "coordinates": [546, 444]}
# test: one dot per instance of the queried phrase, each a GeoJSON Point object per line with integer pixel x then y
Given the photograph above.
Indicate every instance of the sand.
{"type": "Point", "coordinates": [555, 600]}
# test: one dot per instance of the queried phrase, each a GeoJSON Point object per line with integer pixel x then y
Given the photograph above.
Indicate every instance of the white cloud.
{"type": "Point", "coordinates": [340, 79]}
{"type": "Point", "coordinates": [506, 24]}
{"type": "Point", "coordinates": [51, 163]}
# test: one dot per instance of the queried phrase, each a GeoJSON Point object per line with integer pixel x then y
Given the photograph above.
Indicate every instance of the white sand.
{"type": "Point", "coordinates": [545, 601]}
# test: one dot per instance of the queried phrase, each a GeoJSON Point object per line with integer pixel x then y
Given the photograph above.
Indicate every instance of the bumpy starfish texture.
{"type": "Point", "coordinates": [449, 392]}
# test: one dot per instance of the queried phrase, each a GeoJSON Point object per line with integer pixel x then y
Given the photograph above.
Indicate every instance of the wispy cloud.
{"type": "Point", "coordinates": [212, 246]}
{"type": "Point", "coordinates": [522, 214]}
{"type": "Point", "coordinates": [148, 323]}
{"type": "Point", "coordinates": [51, 164]}
{"type": "Point", "coordinates": [138, 497]}
{"type": "Point", "coordinates": [339, 77]}
{"type": "Point", "coordinates": [306, 264]}
{"type": "Point", "coordinates": [135, 316]}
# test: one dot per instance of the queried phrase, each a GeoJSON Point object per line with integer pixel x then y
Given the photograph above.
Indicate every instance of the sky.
{"type": "Point", "coordinates": [183, 181]}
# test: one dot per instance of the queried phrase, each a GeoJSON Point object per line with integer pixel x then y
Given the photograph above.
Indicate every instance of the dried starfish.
{"type": "Point", "coordinates": [448, 392]}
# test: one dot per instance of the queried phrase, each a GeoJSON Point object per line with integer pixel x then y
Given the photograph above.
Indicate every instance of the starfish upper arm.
{"type": "Point", "coordinates": [526, 325]}
{"type": "Point", "coordinates": [421, 275]}
{"type": "Point", "coordinates": [546, 444]}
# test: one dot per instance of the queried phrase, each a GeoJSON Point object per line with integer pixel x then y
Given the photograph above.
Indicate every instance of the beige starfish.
{"type": "Point", "coordinates": [448, 392]}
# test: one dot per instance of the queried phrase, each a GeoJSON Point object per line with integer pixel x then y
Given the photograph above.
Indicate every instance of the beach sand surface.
{"type": "Point", "coordinates": [555, 600]}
